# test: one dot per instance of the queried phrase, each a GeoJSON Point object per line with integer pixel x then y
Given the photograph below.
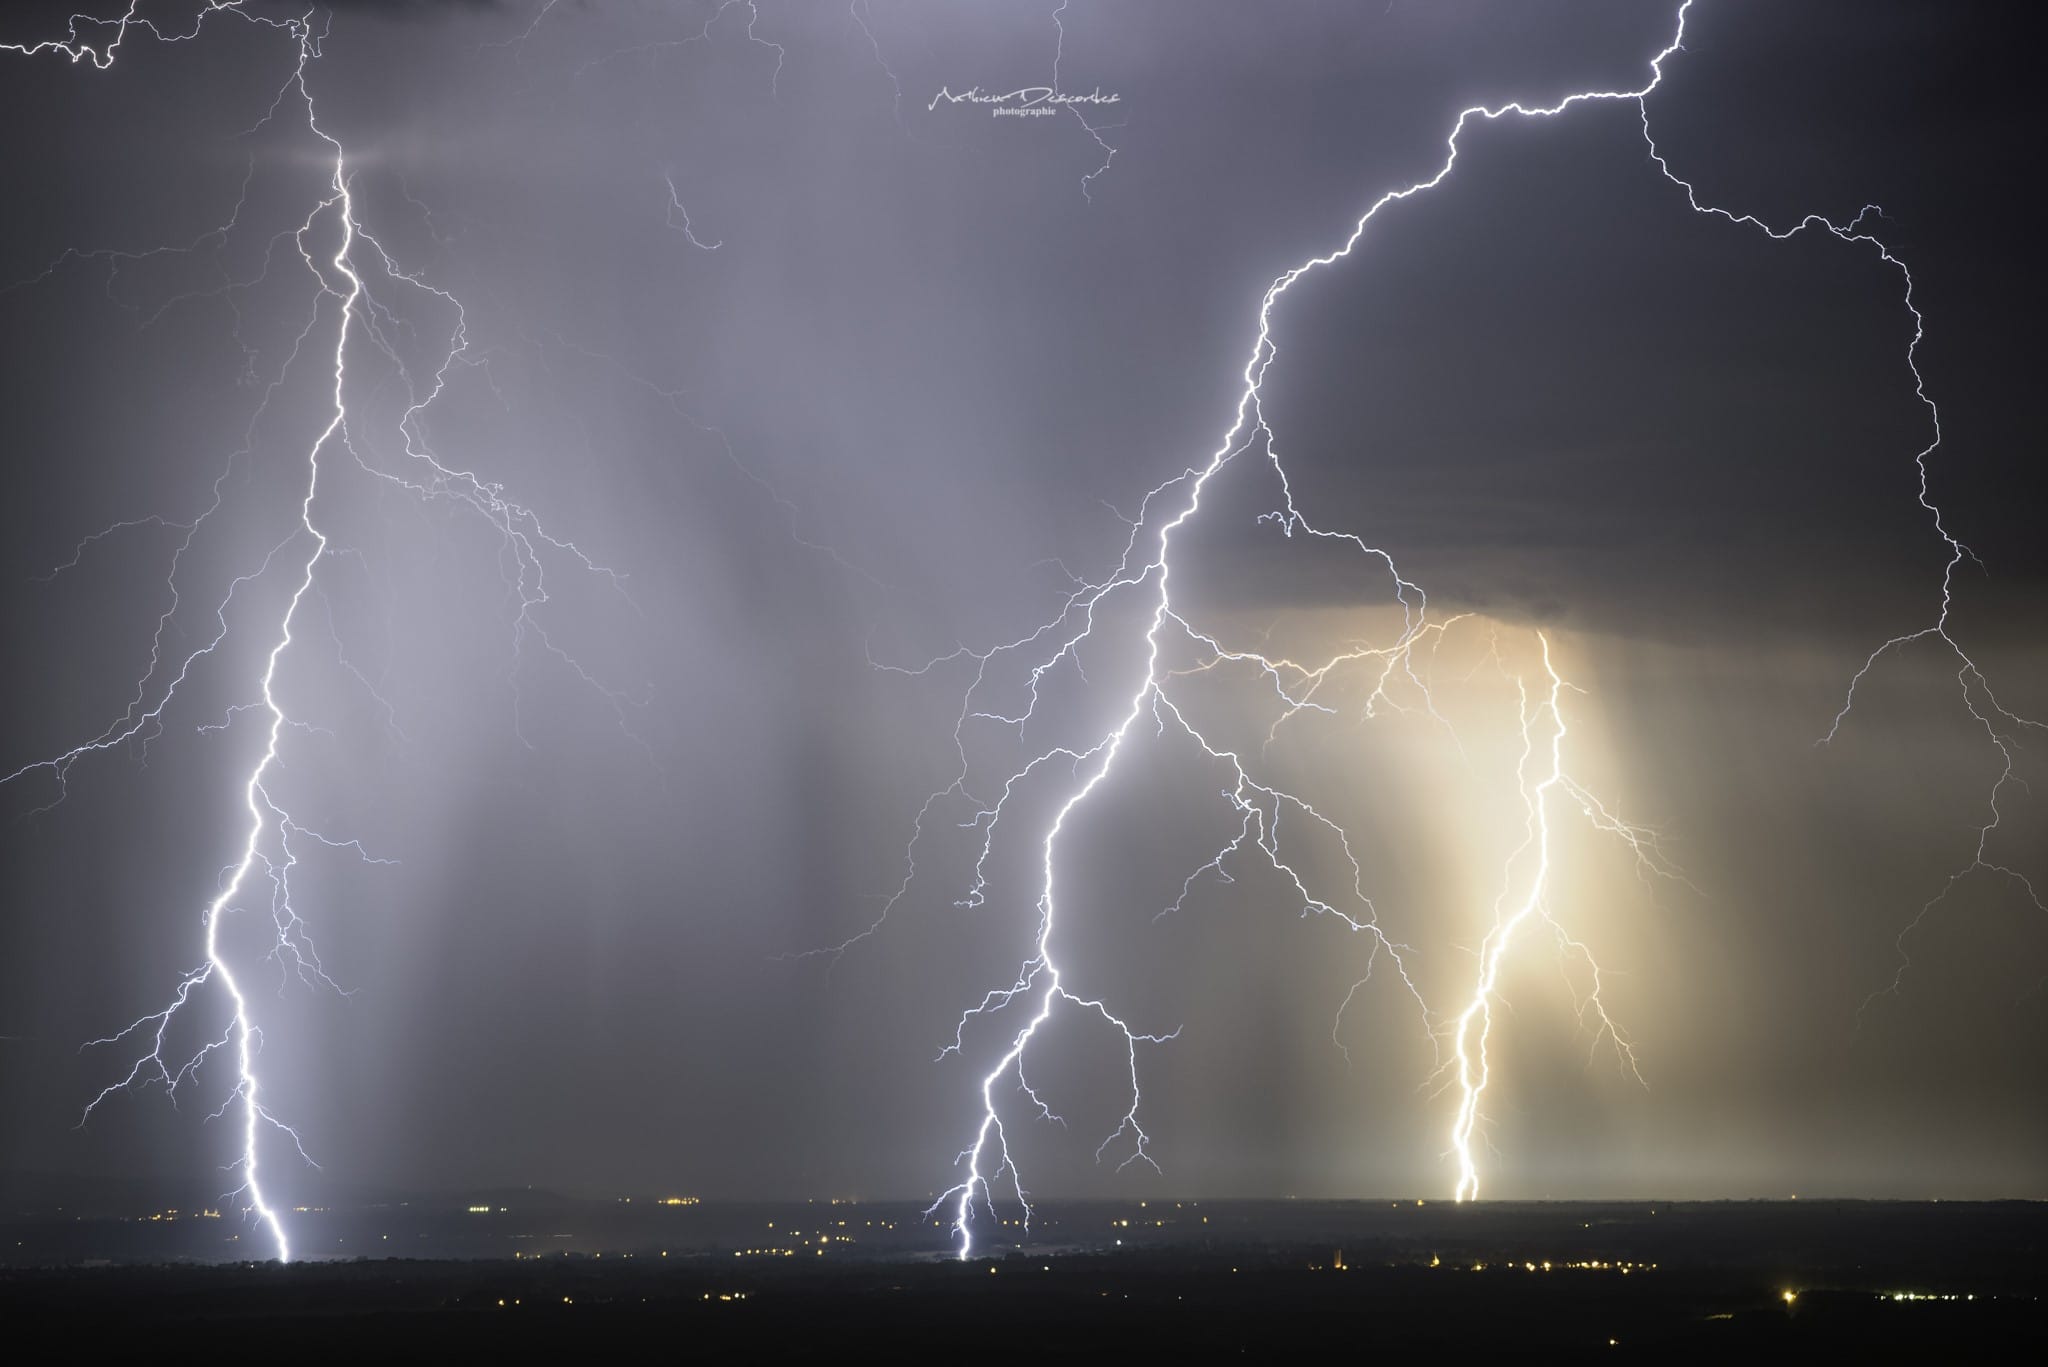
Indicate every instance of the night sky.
{"type": "Point", "coordinates": [907, 372]}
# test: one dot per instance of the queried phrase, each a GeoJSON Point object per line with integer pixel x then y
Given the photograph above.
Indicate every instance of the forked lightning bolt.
{"type": "Point", "coordinates": [1042, 984]}
{"type": "Point", "coordinates": [1145, 567]}
{"type": "Point", "coordinates": [2001, 726]}
{"type": "Point", "coordinates": [345, 299]}
{"type": "Point", "coordinates": [1543, 733]}
{"type": "Point", "coordinates": [1059, 53]}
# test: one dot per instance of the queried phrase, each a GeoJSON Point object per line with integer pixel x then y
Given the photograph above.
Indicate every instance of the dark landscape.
{"type": "Point", "coordinates": [1654, 1279]}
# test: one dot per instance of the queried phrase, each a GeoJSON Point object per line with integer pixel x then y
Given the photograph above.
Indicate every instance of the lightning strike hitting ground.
{"type": "Point", "coordinates": [1144, 567]}
{"type": "Point", "coordinates": [1468, 1064]}
{"type": "Point", "coordinates": [346, 282]}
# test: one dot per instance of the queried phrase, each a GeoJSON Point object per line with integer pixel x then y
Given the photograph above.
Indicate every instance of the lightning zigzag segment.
{"type": "Point", "coordinates": [347, 281]}
{"type": "Point", "coordinates": [1059, 52]}
{"type": "Point", "coordinates": [860, 12]}
{"type": "Point", "coordinates": [242, 1038]}
{"type": "Point", "coordinates": [989, 1159]}
{"type": "Point", "coordinates": [517, 42]}
{"type": "Point", "coordinates": [677, 211]}
{"type": "Point", "coordinates": [703, 35]}
{"type": "Point", "coordinates": [2001, 726]}
{"type": "Point", "coordinates": [80, 47]}
{"type": "Point", "coordinates": [1145, 567]}
{"type": "Point", "coordinates": [1543, 732]}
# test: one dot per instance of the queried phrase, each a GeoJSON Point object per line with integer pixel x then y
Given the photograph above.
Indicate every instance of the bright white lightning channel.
{"type": "Point", "coordinates": [343, 289]}
{"type": "Point", "coordinates": [1144, 566]}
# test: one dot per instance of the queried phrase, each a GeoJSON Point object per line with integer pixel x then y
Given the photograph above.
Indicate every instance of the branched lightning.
{"type": "Point", "coordinates": [702, 35]}
{"type": "Point", "coordinates": [1543, 732]}
{"type": "Point", "coordinates": [1144, 571]}
{"type": "Point", "coordinates": [1059, 52]}
{"type": "Point", "coordinates": [351, 280]}
{"type": "Point", "coordinates": [79, 45]}
{"type": "Point", "coordinates": [1145, 568]}
{"type": "Point", "coordinates": [2001, 726]}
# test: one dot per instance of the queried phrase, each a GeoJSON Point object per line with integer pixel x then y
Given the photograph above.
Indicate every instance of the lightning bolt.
{"type": "Point", "coordinates": [677, 211]}
{"type": "Point", "coordinates": [1543, 730]}
{"type": "Point", "coordinates": [2001, 726]}
{"type": "Point", "coordinates": [1059, 52]}
{"type": "Point", "coordinates": [703, 35]}
{"type": "Point", "coordinates": [78, 45]}
{"type": "Point", "coordinates": [348, 278]}
{"type": "Point", "coordinates": [1144, 571]}
{"type": "Point", "coordinates": [861, 14]}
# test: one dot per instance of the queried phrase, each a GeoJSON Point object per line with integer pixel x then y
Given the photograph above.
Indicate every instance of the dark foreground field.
{"type": "Point", "coordinates": [1700, 1280]}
